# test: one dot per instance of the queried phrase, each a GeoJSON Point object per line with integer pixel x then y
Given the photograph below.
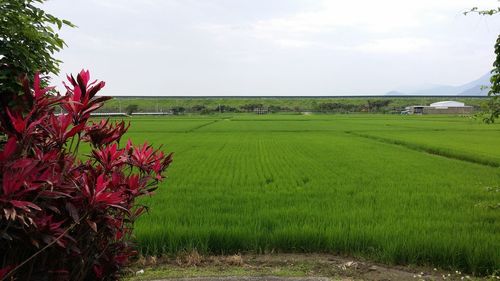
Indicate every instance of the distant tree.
{"type": "Point", "coordinates": [243, 107]}
{"type": "Point", "coordinates": [330, 107]}
{"type": "Point", "coordinates": [197, 108]}
{"type": "Point", "coordinates": [131, 108]}
{"type": "Point", "coordinates": [225, 108]}
{"type": "Point", "coordinates": [275, 108]}
{"type": "Point", "coordinates": [377, 105]}
{"type": "Point", "coordinates": [493, 105]}
{"type": "Point", "coordinates": [340, 107]}
{"type": "Point", "coordinates": [206, 111]}
{"type": "Point", "coordinates": [251, 107]}
{"type": "Point", "coordinates": [178, 110]}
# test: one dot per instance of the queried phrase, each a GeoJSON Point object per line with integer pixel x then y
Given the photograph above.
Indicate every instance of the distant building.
{"type": "Point", "coordinates": [261, 110]}
{"type": "Point", "coordinates": [442, 107]}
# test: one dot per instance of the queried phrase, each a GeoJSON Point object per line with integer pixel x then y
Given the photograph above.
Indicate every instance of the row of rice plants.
{"type": "Point", "coordinates": [477, 147]}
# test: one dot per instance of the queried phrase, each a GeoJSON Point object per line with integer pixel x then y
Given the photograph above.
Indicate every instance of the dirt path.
{"type": "Point", "coordinates": [249, 278]}
{"type": "Point", "coordinates": [282, 267]}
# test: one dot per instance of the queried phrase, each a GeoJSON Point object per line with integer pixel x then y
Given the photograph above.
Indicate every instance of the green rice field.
{"type": "Point", "coordinates": [396, 189]}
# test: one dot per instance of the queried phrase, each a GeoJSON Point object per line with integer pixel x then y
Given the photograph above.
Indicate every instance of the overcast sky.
{"type": "Point", "coordinates": [275, 47]}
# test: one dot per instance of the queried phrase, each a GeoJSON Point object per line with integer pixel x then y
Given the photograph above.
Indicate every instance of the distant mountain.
{"type": "Point", "coordinates": [472, 88]}
{"type": "Point", "coordinates": [395, 93]}
{"type": "Point", "coordinates": [478, 90]}
{"type": "Point", "coordinates": [479, 87]}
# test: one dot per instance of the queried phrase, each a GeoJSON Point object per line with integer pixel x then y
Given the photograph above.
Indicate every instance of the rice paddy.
{"type": "Point", "coordinates": [396, 189]}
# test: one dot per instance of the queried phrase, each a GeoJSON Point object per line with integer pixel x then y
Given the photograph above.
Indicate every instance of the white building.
{"type": "Point", "coordinates": [446, 104]}
{"type": "Point", "coordinates": [441, 107]}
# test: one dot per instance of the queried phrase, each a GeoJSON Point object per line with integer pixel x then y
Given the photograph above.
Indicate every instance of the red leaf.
{"type": "Point", "coordinates": [98, 271]}
{"type": "Point", "coordinates": [25, 205]}
{"type": "Point", "coordinates": [4, 271]}
{"type": "Point", "coordinates": [74, 130]}
{"type": "Point", "coordinates": [18, 122]}
{"type": "Point", "coordinates": [11, 182]}
{"type": "Point", "coordinates": [84, 75]}
{"type": "Point", "coordinates": [73, 212]}
{"type": "Point", "coordinates": [8, 149]}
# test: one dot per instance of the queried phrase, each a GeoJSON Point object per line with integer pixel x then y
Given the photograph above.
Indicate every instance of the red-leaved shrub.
{"type": "Point", "coordinates": [63, 215]}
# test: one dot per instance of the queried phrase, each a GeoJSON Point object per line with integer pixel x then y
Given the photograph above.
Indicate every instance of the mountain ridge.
{"type": "Point", "coordinates": [478, 87]}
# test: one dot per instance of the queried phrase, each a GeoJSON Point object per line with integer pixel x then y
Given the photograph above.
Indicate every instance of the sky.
{"type": "Point", "coordinates": [275, 47]}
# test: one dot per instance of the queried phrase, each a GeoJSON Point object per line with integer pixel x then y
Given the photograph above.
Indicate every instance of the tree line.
{"type": "Point", "coordinates": [374, 106]}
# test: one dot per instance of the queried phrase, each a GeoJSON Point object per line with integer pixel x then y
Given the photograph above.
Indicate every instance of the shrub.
{"type": "Point", "coordinates": [66, 216]}
{"type": "Point", "coordinates": [198, 108]}
{"type": "Point", "coordinates": [377, 105]}
{"type": "Point", "coordinates": [225, 108]}
{"type": "Point", "coordinates": [176, 110]}
{"type": "Point", "coordinates": [131, 108]}
{"type": "Point", "coordinates": [251, 107]}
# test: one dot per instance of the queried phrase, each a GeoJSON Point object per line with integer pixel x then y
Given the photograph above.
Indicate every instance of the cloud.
{"type": "Point", "coordinates": [294, 43]}
{"type": "Point", "coordinates": [366, 15]}
{"type": "Point", "coordinates": [357, 25]}
{"type": "Point", "coordinates": [279, 47]}
{"type": "Point", "coordinates": [395, 45]}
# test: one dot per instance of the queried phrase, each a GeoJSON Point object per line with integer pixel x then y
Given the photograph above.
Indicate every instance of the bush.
{"type": "Point", "coordinates": [178, 110]}
{"type": "Point", "coordinates": [377, 105]}
{"type": "Point", "coordinates": [131, 108]}
{"type": "Point", "coordinates": [251, 107]}
{"type": "Point", "coordinates": [65, 216]}
{"type": "Point", "coordinates": [339, 107]}
{"type": "Point", "coordinates": [221, 108]}
{"type": "Point", "coordinates": [198, 108]}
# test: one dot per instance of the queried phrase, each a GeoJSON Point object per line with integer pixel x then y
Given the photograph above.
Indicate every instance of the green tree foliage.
{"type": "Point", "coordinates": [489, 12]}
{"type": "Point", "coordinates": [28, 41]}
{"type": "Point", "coordinates": [176, 110]}
{"type": "Point", "coordinates": [377, 105]}
{"type": "Point", "coordinates": [198, 108]}
{"type": "Point", "coordinates": [251, 107]}
{"type": "Point", "coordinates": [225, 108]}
{"type": "Point", "coordinates": [494, 93]}
{"type": "Point", "coordinates": [493, 105]}
{"type": "Point", "coordinates": [339, 107]}
{"type": "Point", "coordinates": [276, 108]}
{"type": "Point", "coordinates": [131, 108]}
